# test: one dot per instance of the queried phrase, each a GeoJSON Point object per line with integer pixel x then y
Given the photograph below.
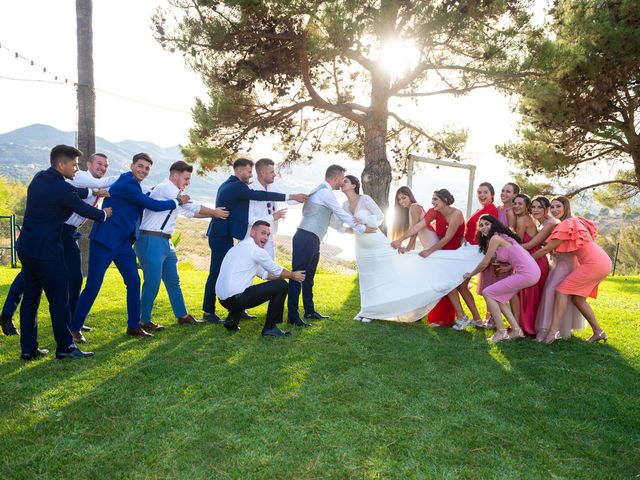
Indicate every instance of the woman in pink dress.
{"type": "Point", "coordinates": [497, 239]}
{"type": "Point", "coordinates": [530, 297]}
{"type": "Point", "coordinates": [560, 265]}
{"type": "Point", "coordinates": [448, 224]}
{"type": "Point", "coordinates": [406, 213]}
{"type": "Point", "coordinates": [485, 194]}
{"type": "Point", "coordinates": [577, 234]}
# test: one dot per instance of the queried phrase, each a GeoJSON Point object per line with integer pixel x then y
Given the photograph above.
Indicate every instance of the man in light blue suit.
{"type": "Point", "coordinates": [233, 195]}
{"type": "Point", "coordinates": [112, 241]}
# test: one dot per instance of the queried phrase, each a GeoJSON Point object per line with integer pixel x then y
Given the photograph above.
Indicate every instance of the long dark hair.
{"type": "Point", "coordinates": [496, 227]}
{"type": "Point", "coordinates": [400, 214]}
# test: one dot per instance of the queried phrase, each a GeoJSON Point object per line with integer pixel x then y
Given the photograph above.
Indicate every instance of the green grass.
{"type": "Point", "coordinates": [339, 400]}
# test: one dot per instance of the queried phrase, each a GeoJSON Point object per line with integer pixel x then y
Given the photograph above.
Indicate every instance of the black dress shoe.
{"type": "Point", "coordinates": [230, 325]}
{"type": "Point", "coordinates": [298, 322]}
{"type": "Point", "coordinates": [85, 329]}
{"type": "Point", "coordinates": [8, 328]}
{"type": "Point", "coordinates": [316, 315]}
{"type": "Point", "coordinates": [139, 332]}
{"type": "Point", "coordinates": [247, 316]}
{"type": "Point", "coordinates": [40, 352]}
{"type": "Point", "coordinates": [211, 318]}
{"type": "Point", "coordinates": [275, 332]}
{"type": "Point", "coordinates": [73, 353]}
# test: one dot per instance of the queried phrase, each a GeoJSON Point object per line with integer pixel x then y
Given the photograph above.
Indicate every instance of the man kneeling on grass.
{"type": "Point", "coordinates": [235, 288]}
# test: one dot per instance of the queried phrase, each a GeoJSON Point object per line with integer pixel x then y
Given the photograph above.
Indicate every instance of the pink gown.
{"type": "Point", "coordinates": [561, 265]}
{"type": "Point", "coordinates": [525, 272]}
{"type": "Point", "coordinates": [531, 297]}
{"type": "Point", "coordinates": [487, 276]}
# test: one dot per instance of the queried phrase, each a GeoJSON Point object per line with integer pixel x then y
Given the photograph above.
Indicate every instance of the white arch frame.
{"type": "Point", "coordinates": [444, 163]}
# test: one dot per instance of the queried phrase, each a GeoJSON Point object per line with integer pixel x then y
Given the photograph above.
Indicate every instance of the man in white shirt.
{"type": "Point", "coordinates": [270, 212]}
{"type": "Point", "coordinates": [316, 218]}
{"type": "Point", "coordinates": [155, 251]}
{"type": "Point", "coordinates": [235, 289]}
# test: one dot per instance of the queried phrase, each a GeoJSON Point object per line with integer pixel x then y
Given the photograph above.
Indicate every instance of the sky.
{"type": "Point", "coordinates": [146, 93]}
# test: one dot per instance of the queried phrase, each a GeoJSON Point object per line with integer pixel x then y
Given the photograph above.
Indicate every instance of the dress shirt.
{"type": "Point", "coordinates": [165, 222]}
{"type": "Point", "coordinates": [84, 179]}
{"type": "Point", "coordinates": [241, 264]}
{"type": "Point", "coordinates": [325, 197]}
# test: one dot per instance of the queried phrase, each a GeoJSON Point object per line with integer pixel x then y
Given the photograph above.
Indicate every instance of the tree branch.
{"type": "Point", "coordinates": [608, 182]}
{"type": "Point", "coordinates": [419, 130]}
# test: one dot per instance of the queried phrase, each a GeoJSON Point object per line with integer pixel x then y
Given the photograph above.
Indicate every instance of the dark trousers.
{"type": "Point", "coordinates": [50, 276]}
{"type": "Point", "coordinates": [273, 291]}
{"type": "Point", "coordinates": [219, 247]}
{"type": "Point", "coordinates": [306, 254]}
{"type": "Point", "coordinates": [14, 296]}
{"type": "Point", "coordinates": [100, 257]}
{"type": "Point", "coordinates": [73, 260]}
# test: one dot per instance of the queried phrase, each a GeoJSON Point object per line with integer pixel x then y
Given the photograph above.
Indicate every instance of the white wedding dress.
{"type": "Point", "coordinates": [403, 287]}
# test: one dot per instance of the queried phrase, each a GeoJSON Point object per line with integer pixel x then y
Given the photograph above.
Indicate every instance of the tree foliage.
{"type": "Point", "coordinates": [311, 73]}
{"type": "Point", "coordinates": [581, 108]}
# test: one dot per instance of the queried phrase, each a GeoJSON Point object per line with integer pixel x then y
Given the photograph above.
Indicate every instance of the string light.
{"type": "Point", "coordinates": [55, 80]}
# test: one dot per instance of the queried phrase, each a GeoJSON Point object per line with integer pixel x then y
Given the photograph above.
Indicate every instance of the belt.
{"type": "Point", "coordinates": [156, 234]}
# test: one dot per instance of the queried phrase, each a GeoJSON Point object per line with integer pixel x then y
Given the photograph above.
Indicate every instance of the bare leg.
{"type": "Point", "coordinates": [469, 300]}
{"type": "Point", "coordinates": [455, 301]}
{"type": "Point", "coordinates": [516, 331]}
{"type": "Point", "coordinates": [494, 308]}
{"type": "Point", "coordinates": [559, 307]}
{"type": "Point", "coordinates": [515, 306]}
{"type": "Point", "coordinates": [586, 310]}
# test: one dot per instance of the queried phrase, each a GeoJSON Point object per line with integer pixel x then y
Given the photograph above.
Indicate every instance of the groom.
{"type": "Point", "coordinates": [316, 217]}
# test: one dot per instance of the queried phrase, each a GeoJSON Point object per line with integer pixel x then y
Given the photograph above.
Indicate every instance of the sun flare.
{"type": "Point", "coordinates": [397, 57]}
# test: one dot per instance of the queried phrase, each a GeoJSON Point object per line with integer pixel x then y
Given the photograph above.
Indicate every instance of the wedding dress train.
{"type": "Point", "coordinates": [403, 287]}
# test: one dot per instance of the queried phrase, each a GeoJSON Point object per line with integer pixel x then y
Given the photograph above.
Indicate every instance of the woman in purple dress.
{"type": "Point", "coordinates": [495, 238]}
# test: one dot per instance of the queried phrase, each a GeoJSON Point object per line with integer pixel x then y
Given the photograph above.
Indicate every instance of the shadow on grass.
{"type": "Point", "coordinates": [339, 400]}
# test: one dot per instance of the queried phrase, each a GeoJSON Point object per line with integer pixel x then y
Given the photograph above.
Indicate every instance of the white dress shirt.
{"type": "Point", "coordinates": [165, 222]}
{"type": "Point", "coordinates": [241, 264]}
{"type": "Point", "coordinates": [325, 197]}
{"type": "Point", "coordinates": [84, 179]}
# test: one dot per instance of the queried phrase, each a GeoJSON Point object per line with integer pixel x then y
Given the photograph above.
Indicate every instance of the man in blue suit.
{"type": "Point", "coordinates": [112, 242]}
{"type": "Point", "coordinates": [234, 195]}
{"type": "Point", "coordinates": [50, 201]}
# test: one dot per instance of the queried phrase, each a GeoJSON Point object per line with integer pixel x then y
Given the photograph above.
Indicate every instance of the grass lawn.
{"type": "Point", "coordinates": [340, 400]}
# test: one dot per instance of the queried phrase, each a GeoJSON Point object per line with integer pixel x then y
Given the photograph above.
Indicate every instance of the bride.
{"type": "Point", "coordinates": [401, 288]}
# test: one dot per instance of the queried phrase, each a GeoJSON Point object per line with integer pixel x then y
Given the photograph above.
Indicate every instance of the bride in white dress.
{"type": "Point", "coordinates": [400, 288]}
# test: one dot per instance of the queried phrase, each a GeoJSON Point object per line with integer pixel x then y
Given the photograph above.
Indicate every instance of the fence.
{"type": "Point", "coordinates": [8, 240]}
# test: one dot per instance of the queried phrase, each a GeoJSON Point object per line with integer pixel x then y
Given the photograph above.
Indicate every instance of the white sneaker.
{"type": "Point", "coordinates": [461, 323]}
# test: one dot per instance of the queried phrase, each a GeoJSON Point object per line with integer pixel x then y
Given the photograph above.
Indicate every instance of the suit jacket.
{"type": "Point", "coordinates": [235, 195]}
{"type": "Point", "coordinates": [128, 202]}
{"type": "Point", "coordinates": [50, 202]}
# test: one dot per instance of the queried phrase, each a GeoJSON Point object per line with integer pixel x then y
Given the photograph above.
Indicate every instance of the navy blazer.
{"type": "Point", "coordinates": [50, 202]}
{"type": "Point", "coordinates": [234, 195]}
{"type": "Point", "coordinates": [128, 202]}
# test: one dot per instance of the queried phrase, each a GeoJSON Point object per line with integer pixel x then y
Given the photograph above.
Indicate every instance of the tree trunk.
{"type": "Point", "coordinates": [86, 94]}
{"type": "Point", "coordinates": [376, 176]}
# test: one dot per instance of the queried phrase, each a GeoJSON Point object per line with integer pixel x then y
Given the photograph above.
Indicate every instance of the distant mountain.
{"type": "Point", "coordinates": [26, 150]}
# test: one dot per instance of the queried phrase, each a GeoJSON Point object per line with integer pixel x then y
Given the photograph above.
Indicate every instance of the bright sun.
{"type": "Point", "coordinates": [397, 57]}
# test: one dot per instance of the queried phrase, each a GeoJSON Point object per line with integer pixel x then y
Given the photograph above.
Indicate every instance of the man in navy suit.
{"type": "Point", "coordinates": [50, 201]}
{"type": "Point", "coordinates": [112, 242]}
{"type": "Point", "coordinates": [234, 195]}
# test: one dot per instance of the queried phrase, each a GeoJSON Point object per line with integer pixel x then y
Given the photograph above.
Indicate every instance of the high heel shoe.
{"type": "Point", "coordinates": [596, 337]}
{"type": "Point", "coordinates": [516, 334]}
{"type": "Point", "coordinates": [542, 334]}
{"type": "Point", "coordinates": [552, 337]}
{"type": "Point", "coordinates": [499, 337]}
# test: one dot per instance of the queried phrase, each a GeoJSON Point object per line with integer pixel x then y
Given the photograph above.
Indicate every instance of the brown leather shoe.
{"type": "Point", "coordinates": [152, 327]}
{"type": "Point", "coordinates": [138, 332]}
{"type": "Point", "coordinates": [78, 337]}
{"type": "Point", "coordinates": [189, 320]}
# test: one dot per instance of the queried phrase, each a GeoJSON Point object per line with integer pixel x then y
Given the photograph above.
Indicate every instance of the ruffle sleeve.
{"type": "Point", "coordinates": [574, 233]}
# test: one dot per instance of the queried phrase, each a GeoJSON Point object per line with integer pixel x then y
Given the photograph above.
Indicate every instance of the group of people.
{"type": "Point", "coordinates": [507, 245]}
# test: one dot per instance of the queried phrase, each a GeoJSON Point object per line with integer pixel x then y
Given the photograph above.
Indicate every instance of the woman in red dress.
{"type": "Point", "coordinates": [577, 234]}
{"type": "Point", "coordinates": [530, 297]}
{"type": "Point", "coordinates": [448, 223]}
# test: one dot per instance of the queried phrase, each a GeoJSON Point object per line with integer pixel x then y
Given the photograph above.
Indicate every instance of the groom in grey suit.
{"type": "Point", "coordinates": [316, 218]}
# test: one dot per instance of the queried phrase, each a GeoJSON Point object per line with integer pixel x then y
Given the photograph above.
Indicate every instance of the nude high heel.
{"type": "Point", "coordinates": [596, 337]}
{"type": "Point", "coordinates": [499, 337]}
{"type": "Point", "coordinates": [552, 337]}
